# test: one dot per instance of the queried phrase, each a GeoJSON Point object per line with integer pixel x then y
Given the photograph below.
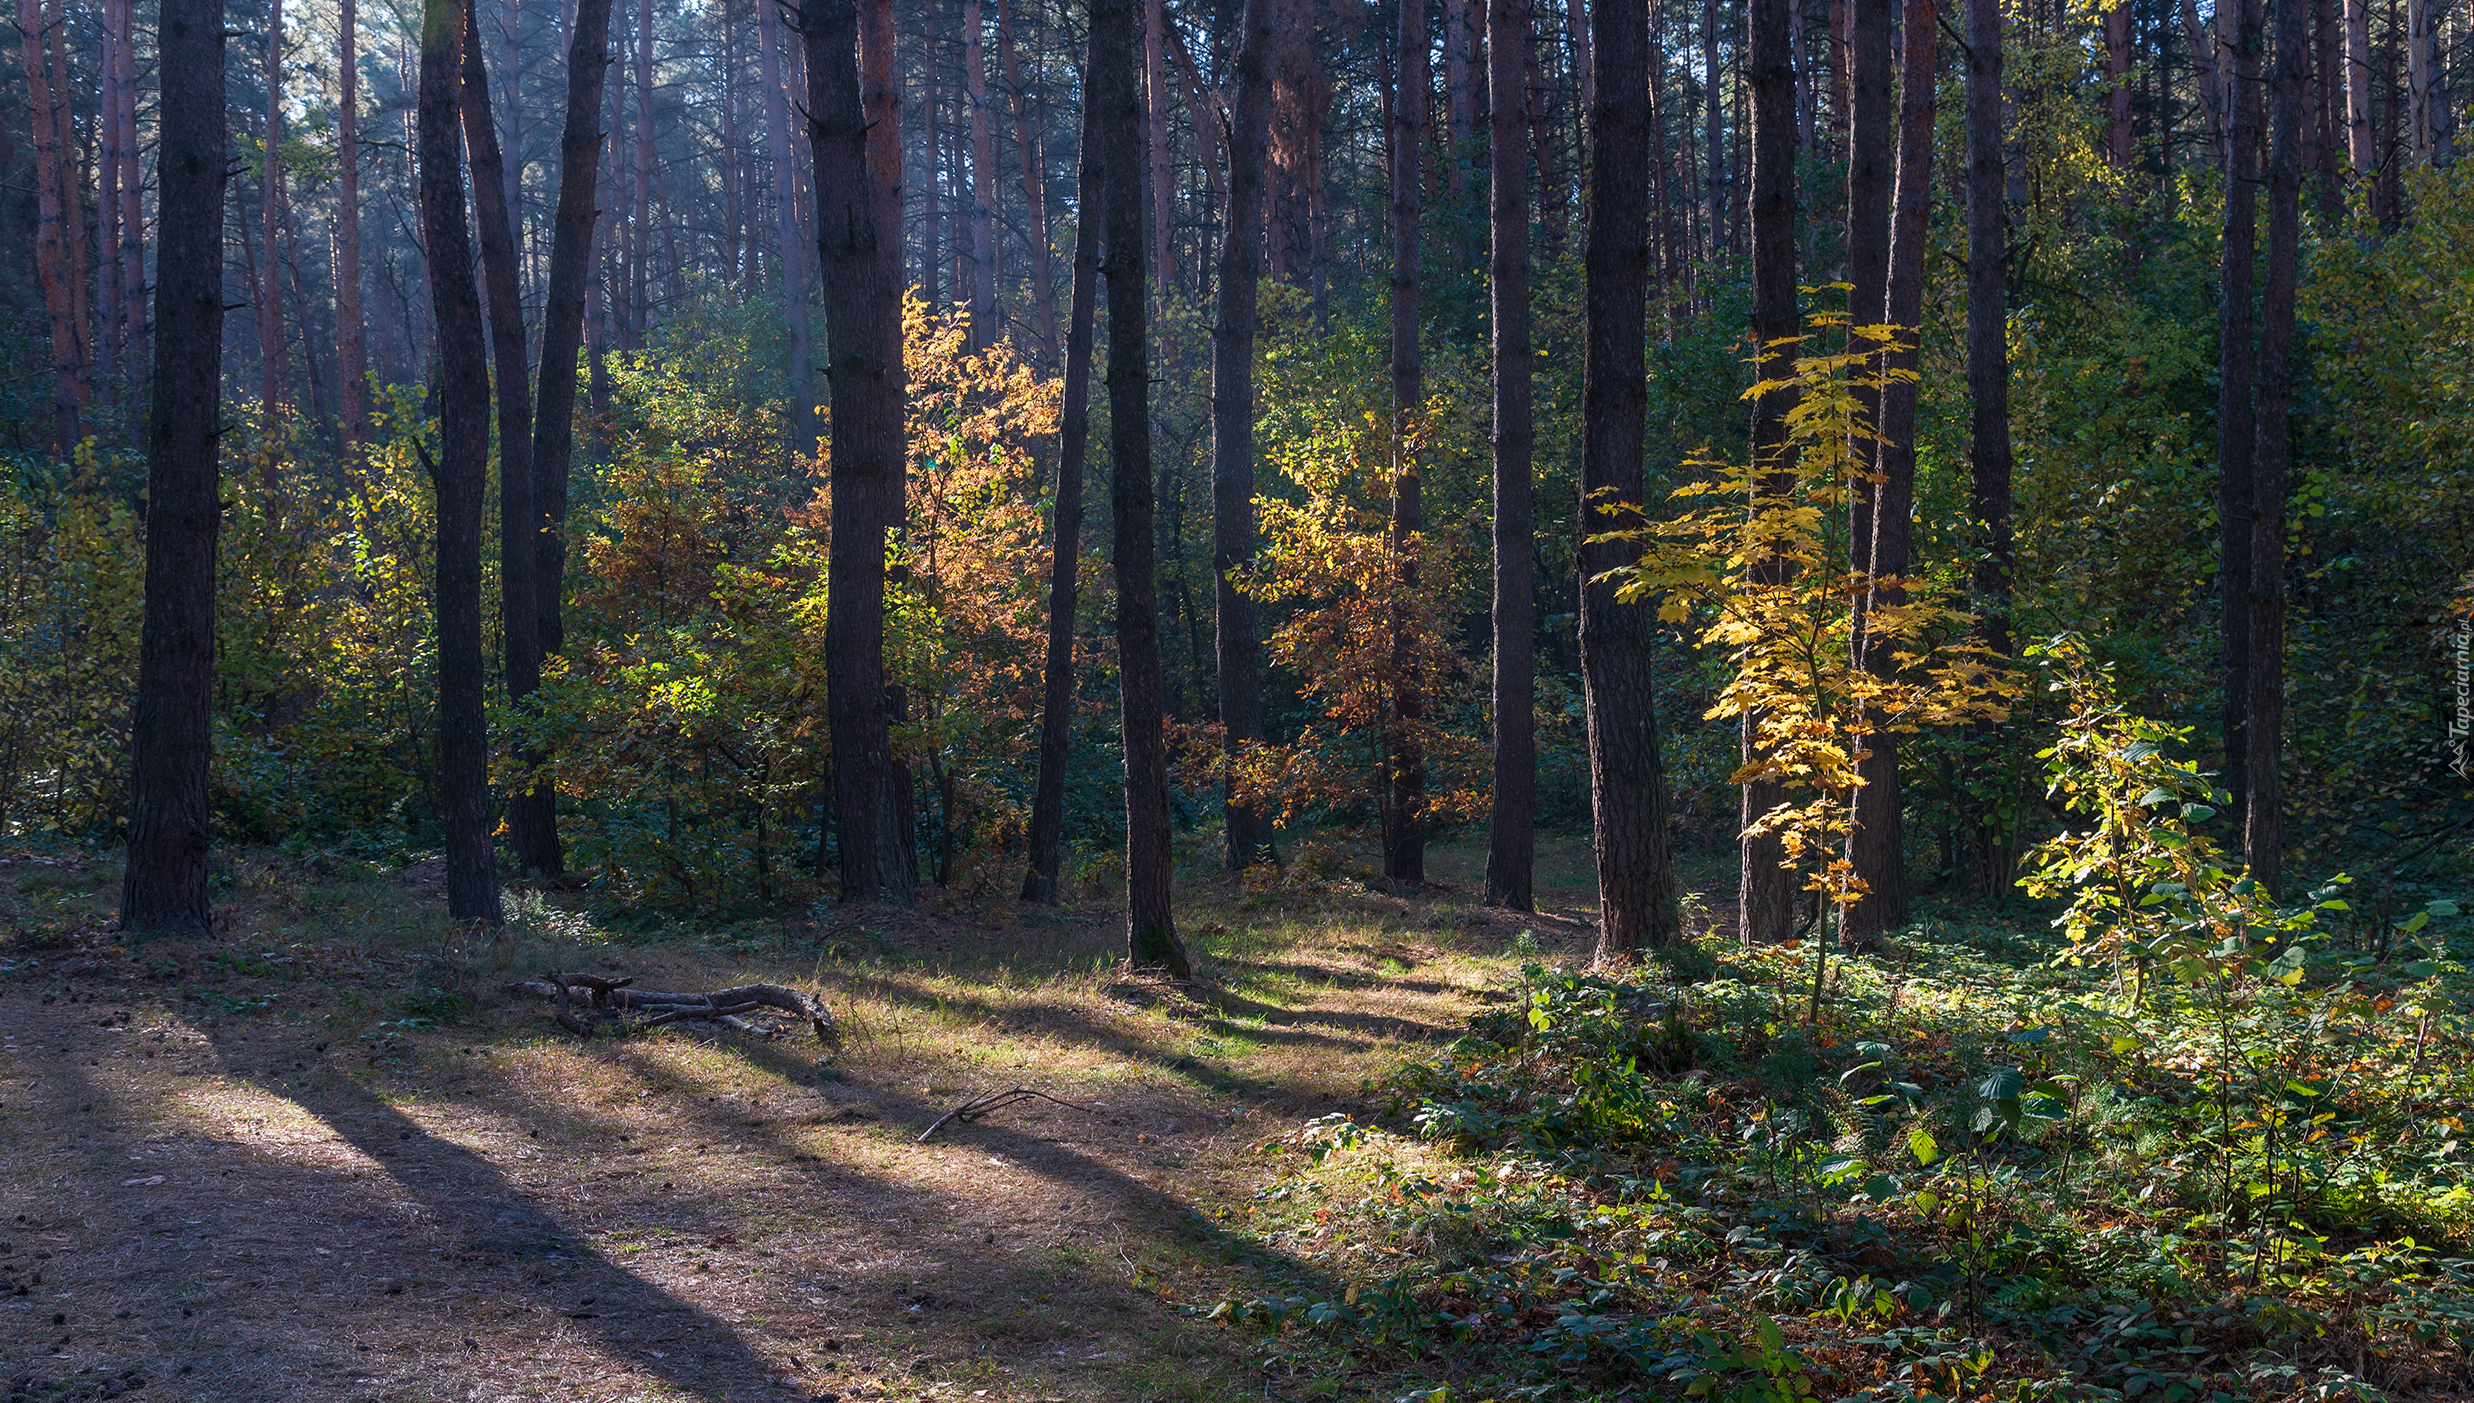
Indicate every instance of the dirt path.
{"type": "Point", "coordinates": [324, 1159]}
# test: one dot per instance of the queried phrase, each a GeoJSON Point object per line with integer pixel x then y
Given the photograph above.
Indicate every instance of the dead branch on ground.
{"type": "Point", "coordinates": [617, 999]}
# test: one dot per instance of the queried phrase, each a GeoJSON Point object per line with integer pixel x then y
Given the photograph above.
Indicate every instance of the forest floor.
{"type": "Point", "coordinates": [326, 1156]}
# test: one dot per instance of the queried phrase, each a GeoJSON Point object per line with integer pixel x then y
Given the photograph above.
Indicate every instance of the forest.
{"type": "Point", "coordinates": [1759, 698]}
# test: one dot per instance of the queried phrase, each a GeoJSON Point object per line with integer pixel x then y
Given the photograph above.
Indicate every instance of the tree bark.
{"type": "Point", "coordinates": [2359, 146]}
{"type": "Point", "coordinates": [2204, 77]}
{"type": "Point", "coordinates": [562, 322]}
{"type": "Point", "coordinates": [529, 807]}
{"type": "Point", "coordinates": [2263, 827]}
{"type": "Point", "coordinates": [72, 196]}
{"type": "Point", "coordinates": [1511, 842]}
{"type": "Point", "coordinates": [1875, 848]}
{"type": "Point", "coordinates": [640, 295]}
{"type": "Point", "coordinates": [1627, 781]}
{"type": "Point", "coordinates": [1765, 893]}
{"type": "Point", "coordinates": [132, 186]}
{"type": "Point", "coordinates": [2236, 440]}
{"type": "Point", "coordinates": [1056, 720]}
{"type": "Point", "coordinates": [1034, 189]}
{"type": "Point", "coordinates": [351, 349]}
{"type": "Point", "coordinates": [171, 807]}
{"type": "Point", "coordinates": [460, 474]}
{"type": "Point", "coordinates": [932, 242]}
{"type": "Point", "coordinates": [1237, 638]}
{"type": "Point", "coordinates": [863, 291]}
{"type": "Point", "coordinates": [1988, 376]}
{"type": "Point", "coordinates": [984, 328]}
{"type": "Point", "coordinates": [792, 265]}
{"type": "Point", "coordinates": [1404, 763]}
{"type": "Point", "coordinates": [70, 388]}
{"type": "Point", "coordinates": [113, 318]}
{"type": "Point", "coordinates": [1151, 932]}
{"type": "Point", "coordinates": [1162, 221]}
{"type": "Point", "coordinates": [2117, 85]}
{"type": "Point", "coordinates": [1714, 122]}
{"type": "Point", "coordinates": [1460, 44]}
{"type": "Point", "coordinates": [274, 353]}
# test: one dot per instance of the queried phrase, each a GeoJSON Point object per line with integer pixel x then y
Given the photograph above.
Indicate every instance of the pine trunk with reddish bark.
{"type": "Point", "coordinates": [460, 474]}
{"type": "Point", "coordinates": [1150, 926]}
{"type": "Point", "coordinates": [1627, 779]}
{"type": "Point", "coordinates": [1511, 842]}
{"type": "Point", "coordinates": [1043, 882]}
{"type": "Point", "coordinates": [861, 258]}
{"type": "Point", "coordinates": [1404, 762]}
{"type": "Point", "coordinates": [1237, 636]}
{"type": "Point", "coordinates": [171, 807]}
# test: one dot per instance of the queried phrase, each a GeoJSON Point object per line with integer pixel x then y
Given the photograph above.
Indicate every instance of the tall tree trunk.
{"type": "Point", "coordinates": [2235, 437]}
{"type": "Point", "coordinates": [863, 310]}
{"type": "Point", "coordinates": [1034, 189]}
{"type": "Point", "coordinates": [1988, 376]}
{"type": "Point", "coordinates": [2204, 77]}
{"type": "Point", "coordinates": [132, 186]}
{"type": "Point", "coordinates": [1056, 718]}
{"type": "Point", "coordinates": [881, 103]}
{"type": "Point", "coordinates": [503, 37]}
{"type": "Point", "coordinates": [2417, 80]}
{"type": "Point", "coordinates": [1404, 763]}
{"type": "Point", "coordinates": [562, 327]}
{"type": "Point", "coordinates": [114, 315]}
{"type": "Point", "coordinates": [792, 265]}
{"type": "Point", "coordinates": [1511, 841]}
{"type": "Point", "coordinates": [1627, 781]}
{"type": "Point", "coordinates": [2117, 85]}
{"type": "Point", "coordinates": [932, 241]}
{"type": "Point", "coordinates": [72, 195]}
{"type": "Point", "coordinates": [1163, 181]}
{"type": "Point", "coordinates": [2359, 146]}
{"type": "Point", "coordinates": [171, 806]}
{"type": "Point", "coordinates": [1714, 119]}
{"type": "Point", "coordinates": [1577, 19]}
{"type": "Point", "coordinates": [529, 807]}
{"type": "Point", "coordinates": [1766, 891]}
{"type": "Point", "coordinates": [2263, 827]}
{"type": "Point", "coordinates": [351, 350]}
{"type": "Point", "coordinates": [274, 354]}
{"type": "Point", "coordinates": [984, 330]}
{"type": "Point", "coordinates": [1460, 107]}
{"type": "Point", "coordinates": [640, 296]}
{"type": "Point", "coordinates": [1875, 848]}
{"type": "Point", "coordinates": [2328, 101]}
{"type": "Point", "coordinates": [1237, 640]}
{"type": "Point", "coordinates": [1150, 925]}
{"type": "Point", "coordinates": [69, 382]}
{"type": "Point", "coordinates": [461, 474]}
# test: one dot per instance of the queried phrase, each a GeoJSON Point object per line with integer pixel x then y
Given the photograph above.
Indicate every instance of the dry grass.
{"type": "Point", "coordinates": [323, 1158]}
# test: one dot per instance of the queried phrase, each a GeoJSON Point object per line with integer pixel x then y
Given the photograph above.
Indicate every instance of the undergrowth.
{"type": "Point", "coordinates": [1983, 1172]}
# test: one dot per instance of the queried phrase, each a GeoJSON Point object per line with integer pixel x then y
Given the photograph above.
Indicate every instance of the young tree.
{"type": "Point", "coordinates": [1766, 893]}
{"type": "Point", "coordinates": [1877, 851]}
{"type": "Point", "coordinates": [1238, 639]}
{"type": "Point", "coordinates": [461, 473]}
{"type": "Point", "coordinates": [1404, 818]}
{"type": "Point", "coordinates": [1627, 781]}
{"type": "Point", "coordinates": [1151, 932]}
{"type": "Point", "coordinates": [792, 265]}
{"type": "Point", "coordinates": [171, 808]}
{"type": "Point", "coordinates": [2235, 440]}
{"type": "Point", "coordinates": [1511, 843]}
{"type": "Point", "coordinates": [351, 351]}
{"type": "Point", "coordinates": [2263, 827]}
{"type": "Point", "coordinates": [1056, 718]}
{"type": "Point", "coordinates": [863, 290]}
{"type": "Point", "coordinates": [1988, 367]}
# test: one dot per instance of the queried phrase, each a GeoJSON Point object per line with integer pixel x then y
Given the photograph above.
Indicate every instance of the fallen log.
{"type": "Point", "coordinates": [615, 999]}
